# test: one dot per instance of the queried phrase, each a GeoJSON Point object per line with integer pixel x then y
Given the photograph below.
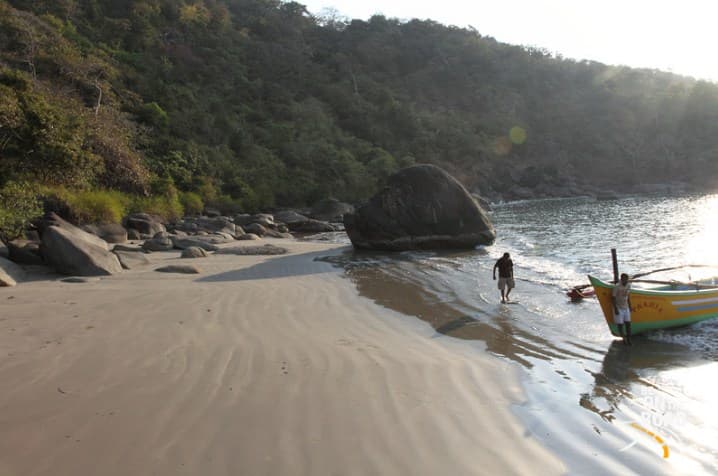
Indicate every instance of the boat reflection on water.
{"type": "Point", "coordinates": [630, 372]}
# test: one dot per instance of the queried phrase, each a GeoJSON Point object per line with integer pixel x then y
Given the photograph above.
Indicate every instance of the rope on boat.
{"type": "Point", "coordinates": [639, 275]}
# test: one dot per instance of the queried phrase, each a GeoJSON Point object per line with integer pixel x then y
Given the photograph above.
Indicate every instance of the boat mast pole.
{"type": "Point", "coordinates": [614, 260]}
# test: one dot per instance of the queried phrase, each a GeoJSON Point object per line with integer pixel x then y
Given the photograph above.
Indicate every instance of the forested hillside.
{"type": "Point", "coordinates": [256, 103]}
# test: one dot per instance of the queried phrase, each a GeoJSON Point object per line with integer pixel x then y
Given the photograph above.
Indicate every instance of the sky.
{"type": "Point", "coordinates": [676, 36]}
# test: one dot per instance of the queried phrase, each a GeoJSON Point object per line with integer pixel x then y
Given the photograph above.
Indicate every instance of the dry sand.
{"type": "Point", "coordinates": [258, 366]}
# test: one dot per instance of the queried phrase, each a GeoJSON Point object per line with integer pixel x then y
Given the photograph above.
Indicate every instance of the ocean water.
{"type": "Point", "coordinates": [605, 407]}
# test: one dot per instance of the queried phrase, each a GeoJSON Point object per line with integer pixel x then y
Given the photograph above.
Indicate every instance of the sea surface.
{"type": "Point", "coordinates": [604, 407]}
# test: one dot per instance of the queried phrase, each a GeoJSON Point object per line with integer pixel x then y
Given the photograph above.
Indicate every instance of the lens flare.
{"type": "Point", "coordinates": [517, 135]}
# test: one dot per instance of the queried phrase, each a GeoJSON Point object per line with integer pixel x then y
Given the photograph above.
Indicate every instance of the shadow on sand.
{"type": "Point", "coordinates": [279, 267]}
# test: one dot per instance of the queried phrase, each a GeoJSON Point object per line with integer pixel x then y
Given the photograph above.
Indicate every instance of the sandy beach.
{"type": "Point", "coordinates": [260, 365]}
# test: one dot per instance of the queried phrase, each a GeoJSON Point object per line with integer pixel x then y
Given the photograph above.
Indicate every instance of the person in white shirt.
{"type": "Point", "coordinates": [621, 298]}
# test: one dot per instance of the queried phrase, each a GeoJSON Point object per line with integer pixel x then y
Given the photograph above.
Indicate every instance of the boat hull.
{"type": "Point", "coordinates": [659, 309]}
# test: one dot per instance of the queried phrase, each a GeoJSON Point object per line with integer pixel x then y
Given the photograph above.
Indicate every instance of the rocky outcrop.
{"type": "Point", "coordinates": [73, 251]}
{"type": "Point", "coordinates": [10, 273]}
{"type": "Point", "coordinates": [421, 207]}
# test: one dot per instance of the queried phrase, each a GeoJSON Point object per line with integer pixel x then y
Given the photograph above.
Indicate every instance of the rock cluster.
{"type": "Point", "coordinates": [87, 251]}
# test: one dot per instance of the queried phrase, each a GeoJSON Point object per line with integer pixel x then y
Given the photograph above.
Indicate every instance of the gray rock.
{"type": "Point", "coordinates": [331, 209]}
{"type": "Point", "coordinates": [218, 224]}
{"type": "Point", "coordinates": [289, 217]}
{"type": "Point", "coordinates": [194, 252]}
{"type": "Point", "coordinates": [312, 226]}
{"type": "Point", "coordinates": [253, 250]}
{"type": "Point", "coordinates": [160, 242]}
{"type": "Point", "coordinates": [263, 219]}
{"type": "Point", "coordinates": [110, 232]}
{"type": "Point", "coordinates": [248, 236]}
{"type": "Point", "coordinates": [131, 259]}
{"type": "Point", "coordinates": [255, 228]}
{"type": "Point", "coordinates": [25, 252]}
{"type": "Point", "coordinates": [224, 237]}
{"type": "Point", "coordinates": [73, 251]}
{"type": "Point", "coordinates": [197, 241]}
{"type": "Point", "coordinates": [179, 268]}
{"type": "Point", "coordinates": [129, 248]}
{"type": "Point", "coordinates": [421, 207]}
{"type": "Point", "coordinates": [242, 219]}
{"type": "Point", "coordinates": [276, 234]}
{"type": "Point", "coordinates": [52, 220]}
{"type": "Point", "coordinates": [10, 273]}
{"type": "Point", "coordinates": [145, 224]}
{"type": "Point", "coordinates": [133, 234]}
{"type": "Point", "coordinates": [79, 279]}
{"type": "Point", "coordinates": [4, 253]}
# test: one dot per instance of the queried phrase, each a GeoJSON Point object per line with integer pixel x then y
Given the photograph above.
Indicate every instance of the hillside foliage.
{"type": "Point", "coordinates": [256, 103]}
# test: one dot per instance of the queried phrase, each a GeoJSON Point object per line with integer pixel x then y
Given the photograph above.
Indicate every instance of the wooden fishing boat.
{"type": "Point", "coordinates": [661, 304]}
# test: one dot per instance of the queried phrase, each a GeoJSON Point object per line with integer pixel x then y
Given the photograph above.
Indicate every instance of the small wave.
{"type": "Point", "coordinates": [701, 337]}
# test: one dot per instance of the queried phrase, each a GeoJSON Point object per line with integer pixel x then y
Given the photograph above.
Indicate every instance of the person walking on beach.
{"type": "Point", "coordinates": [621, 298]}
{"type": "Point", "coordinates": [506, 276]}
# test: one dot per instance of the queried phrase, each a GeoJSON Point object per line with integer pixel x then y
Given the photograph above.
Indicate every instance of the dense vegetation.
{"type": "Point", "coordinates": [255, 103]}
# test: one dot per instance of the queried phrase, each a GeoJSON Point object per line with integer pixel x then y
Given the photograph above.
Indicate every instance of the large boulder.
{"type": "Point", "coordinates": [421, 207]}
{"type": "Point", "coordinates": [10, 273]}
{"type": "Point", "coordinates": [73, 251]}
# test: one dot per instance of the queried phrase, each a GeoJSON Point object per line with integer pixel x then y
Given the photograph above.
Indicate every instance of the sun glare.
{"type": "Point", "coordinates": [701, 246]}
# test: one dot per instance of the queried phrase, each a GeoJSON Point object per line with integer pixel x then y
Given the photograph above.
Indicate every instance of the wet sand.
{"type": "Point", "coordinates": [603, 407]}
{"type": "Point", "coordinates": [259, 365]}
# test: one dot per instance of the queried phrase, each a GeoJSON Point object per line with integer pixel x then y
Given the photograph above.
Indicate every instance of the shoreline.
{"type": "Point", "coordinates": [259, 365]}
